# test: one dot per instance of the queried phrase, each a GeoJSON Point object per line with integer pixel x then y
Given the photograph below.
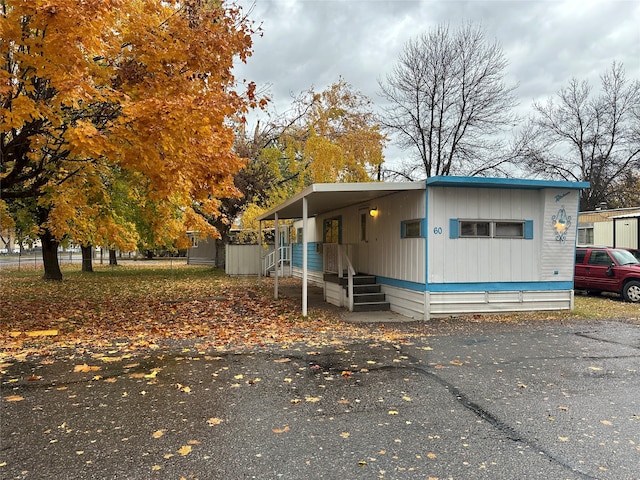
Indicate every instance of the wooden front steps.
{"type": "Point", "coordinates": [367, 293]}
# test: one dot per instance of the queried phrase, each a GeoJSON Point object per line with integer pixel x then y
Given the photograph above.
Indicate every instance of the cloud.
{"type": "Point", "coordinates": [311, 43]}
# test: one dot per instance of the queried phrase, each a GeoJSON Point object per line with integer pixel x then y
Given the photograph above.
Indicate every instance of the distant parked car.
{"type": "Point", "coordinates": [602, 269]}
{"type": "Point", "coordinates": [4, 251]}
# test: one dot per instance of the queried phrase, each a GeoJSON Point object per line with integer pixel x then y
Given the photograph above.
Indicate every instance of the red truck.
{"type": "Point", "coordinates": [602, 269]}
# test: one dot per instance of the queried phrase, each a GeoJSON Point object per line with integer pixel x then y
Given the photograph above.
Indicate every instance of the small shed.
{"type": "Point", "coordinates": [440, 247]}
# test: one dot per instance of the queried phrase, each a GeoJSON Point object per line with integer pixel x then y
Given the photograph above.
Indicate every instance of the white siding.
{"type": "Point", "coordinates": [626, 232]}
{"type": "Point", "coordinates": [242, 259]}
{"type": "Point", "coordinates": [385, 253]}
{"type": "Point", "coordinates": [558, 253]}
{"type": "Point", "coordinates": [468, 260]}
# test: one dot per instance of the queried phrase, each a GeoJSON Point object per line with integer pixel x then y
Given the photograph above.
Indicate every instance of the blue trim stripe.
{"type": "Point", "coordinates": [476, 287]}
{"type": "Point", "coordinates": [498, 286]}
{"type": "Point", "coordinates": [451, 181]}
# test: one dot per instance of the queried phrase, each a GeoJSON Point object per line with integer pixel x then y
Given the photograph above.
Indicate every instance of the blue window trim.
{"type": "Point", "coordinates": [528, 229]}
{"type": "Point", "coordinates": [454, 228]}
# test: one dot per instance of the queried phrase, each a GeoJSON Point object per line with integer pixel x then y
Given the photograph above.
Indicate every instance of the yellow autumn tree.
{"type": "Point", "coordinates": [140, 85]}
{"type": "Point", "coordinates": [330, 136]}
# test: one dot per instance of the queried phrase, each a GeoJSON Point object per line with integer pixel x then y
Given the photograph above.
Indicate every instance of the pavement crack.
{"type": "Point", "coordinates": [592, 336]}
{"type": "Point", "coordinates": [510, 432]}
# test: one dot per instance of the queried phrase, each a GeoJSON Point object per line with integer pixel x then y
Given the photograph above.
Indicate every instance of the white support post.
{"type": "Point", "coordinates": [305, 237]}
{"type": "Point", "coordinates": [260, 252]}
{"type": "Point", "coordinates": [277, 254]}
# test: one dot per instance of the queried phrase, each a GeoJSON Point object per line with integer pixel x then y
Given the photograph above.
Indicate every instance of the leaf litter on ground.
{"type": "Point", "coordinates": [143, 306]}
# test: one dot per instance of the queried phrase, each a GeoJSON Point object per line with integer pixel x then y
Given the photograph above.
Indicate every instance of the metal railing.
{"type": "Point", "coordinates": [284, 258]}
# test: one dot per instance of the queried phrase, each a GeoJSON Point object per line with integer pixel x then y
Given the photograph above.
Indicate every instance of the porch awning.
{"type": "Point", "coordinates": [325, 197]}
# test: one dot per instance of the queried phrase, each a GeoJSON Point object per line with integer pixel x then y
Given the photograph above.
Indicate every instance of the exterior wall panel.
{"type": "Point", "coordinates": [482, 259]}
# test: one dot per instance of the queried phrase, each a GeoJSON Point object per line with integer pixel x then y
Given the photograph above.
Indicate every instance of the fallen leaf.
{"type": "Point", "coordinates": [193, 442]}
{"type": "Point", "coordinates": [214, 421]}
{"type": "Point", "coordinates": [595, 368]}
{"type": "Point", "coordinates": [312, 399]}
{"type": "Point", "coordinates": [456, 362]}
{"type": "Point", "coordinates": [13, 398]}
{"type": "Point", "coordinates": [280, 430]}
{"type": "Point", "coordinates": [393, 412]}
{"type": "Point", "coordinates": [431, 455]}
{"type": "Point", "coordinates": [158, 433]}
{"type": "Point", "coordinates": [563, 439]}
{"type": "Point", "coordinates": [183, 388]}
{"type": "Point", "coordinates": [156, 468]}
{"type": "Point", "coordinates": [606, 422]}
{"type": "Point", "coordinates": [42, 333]}
{"type": "Point", "coordinates": [185, 450]}
{"type": "Point", "coordinates": [282, 360]}
{"type": "Point", "coordinates": [345, 434]}
{"type": "Point", "coordinates": [84, 368]}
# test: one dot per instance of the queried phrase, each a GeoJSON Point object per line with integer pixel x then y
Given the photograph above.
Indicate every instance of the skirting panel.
{"type": "Point", "coordinates": [460, 303]}
{"type": "Point", "coordinates": [405, 302]}
{"type": "Point", "coordinates": [333, 294]}
{"type": "Point", "coordinates": [313, 277]}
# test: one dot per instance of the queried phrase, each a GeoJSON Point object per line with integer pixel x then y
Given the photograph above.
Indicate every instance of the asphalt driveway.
{"type": "Point", "coordinates": [467, 401]}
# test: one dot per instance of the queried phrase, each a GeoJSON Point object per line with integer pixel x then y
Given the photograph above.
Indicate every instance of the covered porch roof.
{"type": "Point", "coordinates": [326, 197]}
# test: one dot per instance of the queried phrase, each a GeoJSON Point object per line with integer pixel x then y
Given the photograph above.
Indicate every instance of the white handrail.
{"type": "Point", "coordinates": [270, 259]}
{"type": "Point", "coordinates": [350, 273]}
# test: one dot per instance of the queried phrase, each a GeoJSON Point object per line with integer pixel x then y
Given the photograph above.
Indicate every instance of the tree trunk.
{"type": "Point", "coordinates": [112, 258]}
{"type": "Point", "coordinates": [50, 257]}
{"type": "Point", "coordinates": [87, 258]}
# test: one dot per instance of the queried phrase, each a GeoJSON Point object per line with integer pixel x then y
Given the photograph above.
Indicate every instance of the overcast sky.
{"type": "Point", "coordinates": [312, 43]}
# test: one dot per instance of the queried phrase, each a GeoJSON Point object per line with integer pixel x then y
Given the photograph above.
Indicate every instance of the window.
{"type": "Point", "coordinates": [411, 229]}
{"type": "Point", "coordinates": [585, 235]}
{"type": "Point", "coordinates": [299, 235]}
{"type": "Point", "coordinates": [364, 214]}
{"type": "Point", "coordinates": [331, 231]}
{"type": "Point", "coordinates": [490, 228]}
{"type": "Point", "coordinates": [474, 229]}
{"type": "Point", "coordinates": [194, 241]}
{"type": "Point", "coordinates": [599, 257]}
{"type": "Point", "coordinates": [509, 229]}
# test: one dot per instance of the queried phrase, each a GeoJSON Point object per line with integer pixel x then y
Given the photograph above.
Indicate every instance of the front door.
{"type": "Point", "coordinates": [331, 239]}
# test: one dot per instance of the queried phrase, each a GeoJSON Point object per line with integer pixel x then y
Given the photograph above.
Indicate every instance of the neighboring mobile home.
{"type": "Point", "coordinates": [444, 246]}
{"type": "Point", "coordinates": [618, 228]}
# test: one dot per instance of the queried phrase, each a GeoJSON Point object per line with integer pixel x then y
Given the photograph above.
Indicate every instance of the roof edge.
{"type": "Point", "coordinates": [495, 182]}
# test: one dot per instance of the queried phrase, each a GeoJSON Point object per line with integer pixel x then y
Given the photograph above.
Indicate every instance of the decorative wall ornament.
{"type": "Point", "coordinates": [560, 223]}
